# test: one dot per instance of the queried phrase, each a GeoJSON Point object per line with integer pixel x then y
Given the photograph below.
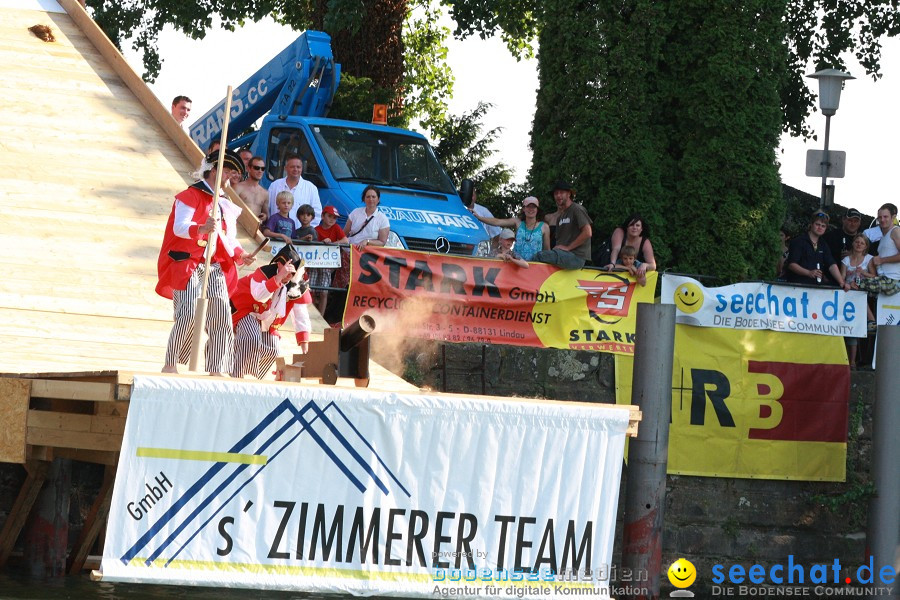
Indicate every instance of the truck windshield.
{"type": "Point", "coordinates": [382, 158]}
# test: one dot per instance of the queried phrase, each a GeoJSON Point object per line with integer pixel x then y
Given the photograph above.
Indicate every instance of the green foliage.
{"type": "Point", "coordinates": [143, 20]}
{"type": "Point", "coordinates": [465, 152]}
{"type": "Point", "coordinates": [427, 79]}
{"type": "Point", "coordinates": [355, 98]}
{"type": "Point", "coordinates": [401, 51]}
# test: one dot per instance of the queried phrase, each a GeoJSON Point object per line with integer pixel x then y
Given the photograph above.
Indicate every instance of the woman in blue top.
{"type": "Point", "coordinates": [532, 234]}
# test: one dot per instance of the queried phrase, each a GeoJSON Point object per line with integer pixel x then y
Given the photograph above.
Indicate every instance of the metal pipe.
{"type": "Point", "coordinates": [826, 162]}
{"type": "Point", "coordinates": [883, 530]}
{"type": "Point", "coordinates": [357, 332]}
{"type": "Point", "coordinates": [648, 453]}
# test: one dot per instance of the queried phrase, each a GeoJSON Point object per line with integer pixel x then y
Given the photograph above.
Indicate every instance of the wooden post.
{"type": "Point", "coordinates": [15, 521]}
{"type": "Point", "coordinates": [46, 535]}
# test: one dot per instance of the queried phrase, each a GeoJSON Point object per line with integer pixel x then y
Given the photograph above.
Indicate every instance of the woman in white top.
{"type": "Point", "coordinates": [855, 267]}
{"type": "Point", "coordinates": [366, 225]}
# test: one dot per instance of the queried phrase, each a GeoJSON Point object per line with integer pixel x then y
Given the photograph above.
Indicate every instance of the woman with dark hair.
{"type": "Point", "coordinates": [532, 233]}
{"type": "Point", "coordinates": [634, 232]}
{"type": "Point", "coordinates": [366, 225]}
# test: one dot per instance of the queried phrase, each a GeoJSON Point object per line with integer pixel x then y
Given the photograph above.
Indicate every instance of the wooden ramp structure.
{"type": "Point", "coordinates": [93, 161]}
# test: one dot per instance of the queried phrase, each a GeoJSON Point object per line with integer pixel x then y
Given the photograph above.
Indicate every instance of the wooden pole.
{"type": "Point", "coordinates": [203, 302]}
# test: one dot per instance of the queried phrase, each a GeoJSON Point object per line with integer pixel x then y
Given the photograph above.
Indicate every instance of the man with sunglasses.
{"type": "Point", "coordinates": [809, 259]}
{"type": "Point", "coordinates": [254, 195]}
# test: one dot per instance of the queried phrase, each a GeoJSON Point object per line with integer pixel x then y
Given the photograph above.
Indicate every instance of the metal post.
{"type": "Point", "coordinates": [826, 162]}
{"type": "Point", "coordinates": [46, 534]}
{"type": "Point", "coordinates": [648, 453]}
{"type": "Point", "coordinates": [883, 531]}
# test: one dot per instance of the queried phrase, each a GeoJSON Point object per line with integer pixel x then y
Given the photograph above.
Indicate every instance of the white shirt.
{"type": "Point", "coordinates": [481, 211]}
{"type": "Point", "coordinates": [886, 249]}
{"type": "Point", "coordinates": [370, 232]}
{"type": "Point", "coordinates": [305, 192]}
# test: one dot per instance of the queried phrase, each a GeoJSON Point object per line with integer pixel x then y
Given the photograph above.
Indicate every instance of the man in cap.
{"type": "Point", "coordinates": [190, 229]}
{"type": "Point", "coordinates": [809, 260]}
{"type": "Point", "coordinates": [572, 247]}
{"type": "Point", "coordinates": [840, 240]}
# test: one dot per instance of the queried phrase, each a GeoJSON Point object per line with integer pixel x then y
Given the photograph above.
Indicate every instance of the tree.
{"type": "Point", "coordinates": [465, 152]}
{"type": "Point", "coordinates": [673, 110]}
{"type": "Point", "coordinates": [369, 39]}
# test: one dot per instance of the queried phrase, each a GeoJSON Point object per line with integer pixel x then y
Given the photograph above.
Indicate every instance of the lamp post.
{"type": "Point", "coordinates": [830, 83]}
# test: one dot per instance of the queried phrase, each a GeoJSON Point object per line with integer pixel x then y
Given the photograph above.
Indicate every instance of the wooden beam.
{"type": "Point", "coordinates": [73, 390]}
{"type": "Point", "coordinates": [92, 524]}
{"type": "Point", "coordinates": [74, 439]}
{"type": "Point", "coordinates": [132, 80]}
{"type": "Point", "coordinates": [14, 395]}
{"type": "Point", "coordinates": [18, 514]}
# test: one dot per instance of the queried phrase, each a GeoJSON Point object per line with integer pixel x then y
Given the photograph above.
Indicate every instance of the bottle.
{"type": "Point", "coordinates": [818, 279]}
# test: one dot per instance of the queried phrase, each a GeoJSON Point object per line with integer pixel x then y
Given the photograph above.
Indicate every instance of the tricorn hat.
{"type": "Point", "coordinates": [232, 160]}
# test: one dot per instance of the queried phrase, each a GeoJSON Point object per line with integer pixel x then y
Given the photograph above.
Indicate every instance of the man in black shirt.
{"type": "Point", "coordinates": [839, 240]}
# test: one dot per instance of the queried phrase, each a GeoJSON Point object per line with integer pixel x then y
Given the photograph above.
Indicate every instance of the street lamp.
{"type": "Point", "coordinates": [830, 83]}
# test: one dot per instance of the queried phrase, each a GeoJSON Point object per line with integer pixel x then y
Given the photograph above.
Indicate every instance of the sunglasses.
{"type": "Point", "coordinates": [256, 168]}
{"type": "Point", "coordinates": [820, 214]}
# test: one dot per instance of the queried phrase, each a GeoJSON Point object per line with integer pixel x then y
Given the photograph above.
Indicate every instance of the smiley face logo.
{"type": "Point", "coordinates": [682, 572]}
{"type": "Point", "coordinates": [688, 297]}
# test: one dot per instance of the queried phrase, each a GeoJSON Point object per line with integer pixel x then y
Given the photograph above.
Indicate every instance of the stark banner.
{"type": "Point", "coordinates": [755, 404]}
{"type": "Point", "coordinates": [369, 493]}
{"type": "Point", "coordinates": [461, 299]}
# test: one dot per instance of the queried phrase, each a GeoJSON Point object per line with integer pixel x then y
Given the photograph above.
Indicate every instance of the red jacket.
{"type": "Point", "coordinates": [260, 293]}
{"type": "Point", "coordinates": [179, 257]}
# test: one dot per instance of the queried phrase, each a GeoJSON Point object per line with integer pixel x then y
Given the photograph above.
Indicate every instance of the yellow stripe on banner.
{"type": "Point", "coordinates": [891, 307]}
{"type": "Point", "coordinates": [256, 568]}
{"type": "Point", "coordinates": [225, 457]}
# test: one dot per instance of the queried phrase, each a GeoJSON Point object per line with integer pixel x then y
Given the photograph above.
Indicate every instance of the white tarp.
{"type": "Point", "coordinates": [759, 305]}
{"type": "Point", "coordinates": [346, 490]}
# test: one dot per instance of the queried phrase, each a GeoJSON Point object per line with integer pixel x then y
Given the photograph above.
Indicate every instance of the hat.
{"type": "Point", "coordinates": [330, 210]}
{"type": "Point", "coordinates": [530, 200]}
{"type": "Point", "coordinates": [231, 161]}
{"type": "Point", "coordinates": [852, 213]}
{"type": "Point", "coordinates": [819, 215]}
{"type": "Point", "coordinates": [507, 234]}
{"type": "Point", "coordinates": [562, 185]}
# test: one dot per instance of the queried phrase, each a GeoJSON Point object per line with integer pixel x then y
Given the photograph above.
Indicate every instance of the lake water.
{"type": "Point", "coordinates": [15, 587]}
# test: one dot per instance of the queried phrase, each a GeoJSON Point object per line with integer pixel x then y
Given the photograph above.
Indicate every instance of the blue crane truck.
{"type": "Point", "coordinates": [292, 94]}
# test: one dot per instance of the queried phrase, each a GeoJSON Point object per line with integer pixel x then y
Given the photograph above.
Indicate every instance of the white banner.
{"type": "Point", "coordinates": [317, 256]}
{"type": "Point", "coordinates": [346, 490]}
{"type": "Point", "coordinates": [759, 305]}
{"type": "Point", "coordinates": [888, 310]}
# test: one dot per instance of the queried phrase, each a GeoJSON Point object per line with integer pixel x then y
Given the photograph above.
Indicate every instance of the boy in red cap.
{"type": "Point", "coordinates": [330, 233]}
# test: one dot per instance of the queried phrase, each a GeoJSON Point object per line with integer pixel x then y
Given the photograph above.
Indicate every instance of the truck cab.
{"type": "Point", "coordinates": [292, 94]}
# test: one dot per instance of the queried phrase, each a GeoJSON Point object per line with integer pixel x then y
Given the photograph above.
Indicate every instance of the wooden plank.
{"type": "Point", "coordinates": [72, 390]}
{"type": "Point", "coordinates": [14, 397]}
{"type": "Point", "coordinates": [18, 514]}
{"type": "Point", "coordinates": [46, 419]}
{"type": "Point", "coordinates": [73, 439]}
{"type": "Point", "coordinates": [92, 524]}
{"type": "Point", "coordinates": [134, 82]}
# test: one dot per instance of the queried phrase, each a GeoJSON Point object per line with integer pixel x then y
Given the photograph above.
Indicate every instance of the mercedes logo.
{"type": "Point", "coordinates": [442, 245]}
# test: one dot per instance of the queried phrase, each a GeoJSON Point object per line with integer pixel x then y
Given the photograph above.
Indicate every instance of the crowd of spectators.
{"type": "Point", "coordinates": [846, 257]}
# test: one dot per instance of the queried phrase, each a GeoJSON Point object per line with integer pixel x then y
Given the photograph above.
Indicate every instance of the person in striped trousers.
{"type": "Point", "coordinates": [261, 305]}
{"type": "Point", "coordinates": [181, 264]}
